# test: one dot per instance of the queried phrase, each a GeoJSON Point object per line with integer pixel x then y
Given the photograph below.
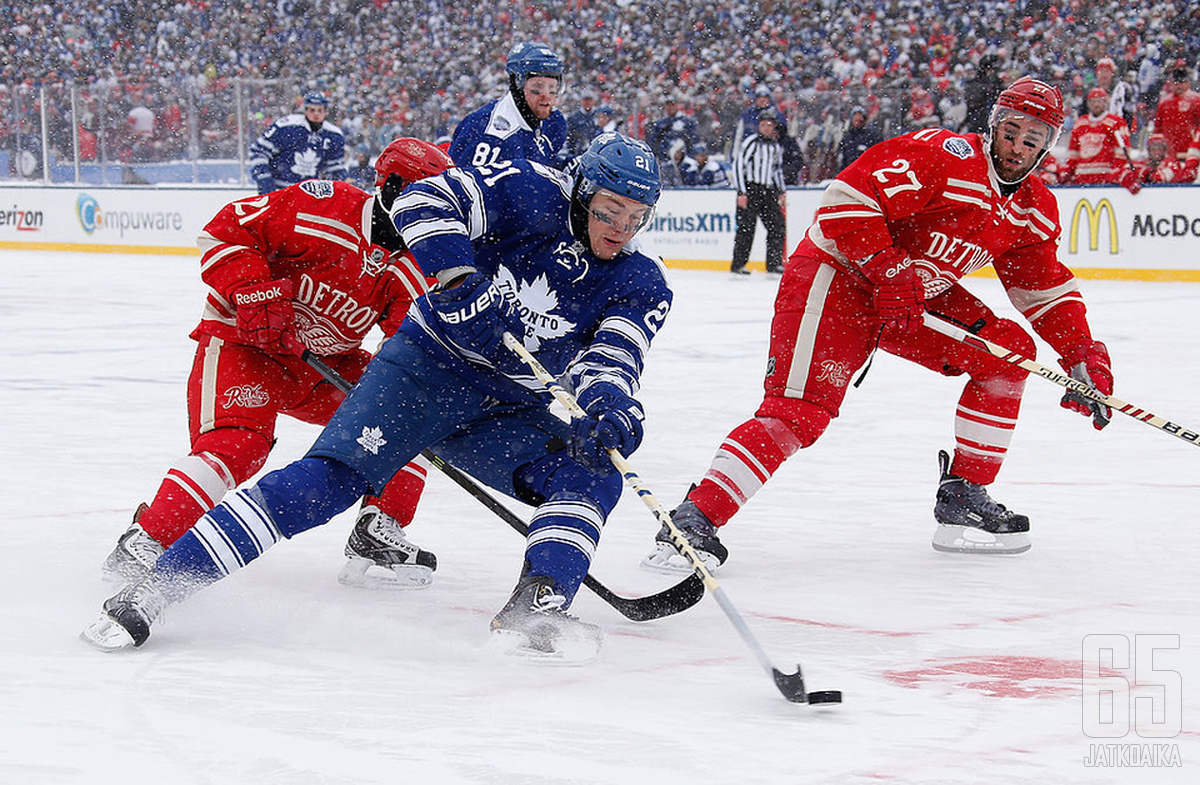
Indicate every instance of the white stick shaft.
{"type": "Point", "coordinates": [1060, 378]}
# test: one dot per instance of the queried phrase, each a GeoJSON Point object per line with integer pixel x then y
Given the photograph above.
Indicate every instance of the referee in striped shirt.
{"type": "Point", "coordinates": [758, 177]}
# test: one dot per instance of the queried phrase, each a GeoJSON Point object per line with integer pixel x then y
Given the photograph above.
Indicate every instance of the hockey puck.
{"type": "Point", "coordinates": [825, 696]}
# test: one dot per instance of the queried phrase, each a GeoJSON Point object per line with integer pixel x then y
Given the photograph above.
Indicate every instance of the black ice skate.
{"type": "Point", "coordinates": [134, 555]}
{"type": "Point", "coordinates": [535, 625]}
{"type": "Point", "coordinates": [125, 621]}
{"type": "Point", "coordinates": [969, 521]}
{"type": "Point", "coordinates": [380, 556]}
{"type": "Point", "coordinates": [701, 535]}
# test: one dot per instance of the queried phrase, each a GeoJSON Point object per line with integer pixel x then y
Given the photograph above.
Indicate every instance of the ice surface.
{"type": "Point", "coordinates": [955, 669]}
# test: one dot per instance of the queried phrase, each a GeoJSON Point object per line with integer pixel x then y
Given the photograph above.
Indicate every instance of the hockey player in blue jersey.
{"type": "Point", "coordinates": [522, 124]}
{"type": "Point", "coordinates": [299, 147]}
{"type": "Point", "coordinates": [545, 255]}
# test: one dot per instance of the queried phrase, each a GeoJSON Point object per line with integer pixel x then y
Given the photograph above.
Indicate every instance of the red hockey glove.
{"type": "Point", "coordinates": [1092, 367]}
{"type": "Point", "coordinates": [899, 294]}
{"type": "Point", "coordinates": [1131, 181]}
{"type": "Point", "coordinates": [265, 317]}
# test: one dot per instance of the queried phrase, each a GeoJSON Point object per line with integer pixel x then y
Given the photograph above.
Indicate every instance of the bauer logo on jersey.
{"type": "Point", "coordinates": [958, 147]}
{"type": "Point", "coordinates": [371, 439]}
{"type": "Point", "coordinates": [320, 189]}
{"type": "Point", "coordinates": [248, 396]}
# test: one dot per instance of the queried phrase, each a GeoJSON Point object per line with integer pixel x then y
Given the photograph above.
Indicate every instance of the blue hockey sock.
{"type": "Point", "coordinates": [562, 540]}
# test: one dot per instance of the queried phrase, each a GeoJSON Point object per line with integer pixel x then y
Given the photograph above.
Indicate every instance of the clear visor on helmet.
{"type": "Point", "coordinates": [620, 212]}
{"type": "Point", "coordinates": [1023, 130]}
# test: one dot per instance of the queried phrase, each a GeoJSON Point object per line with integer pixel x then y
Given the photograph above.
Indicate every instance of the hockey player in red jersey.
{"type": "Point", "coordinates": [1159, 167]}
{"type": "Point", "coordinates": [1098, 151]}
{"type": "Point", "coordinates": [313, 266]}
{"type": "Point", "coordinates": [894, 233]}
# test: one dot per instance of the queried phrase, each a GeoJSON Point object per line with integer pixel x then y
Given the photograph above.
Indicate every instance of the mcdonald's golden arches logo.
{"type": "Point", "coordinates": [1103, 208]}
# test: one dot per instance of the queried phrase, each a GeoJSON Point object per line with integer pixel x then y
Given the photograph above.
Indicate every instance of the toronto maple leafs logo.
{"type": "Point", "coordinates": [304, 163]}
{"type": "Point", "coordinates": [536, 303]}
{"type": "Point", "coordinates": [371, 439]}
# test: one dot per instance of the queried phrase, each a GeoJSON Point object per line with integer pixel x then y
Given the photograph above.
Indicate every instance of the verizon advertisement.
{"type": "Point", "coordinates": [1107, 232]}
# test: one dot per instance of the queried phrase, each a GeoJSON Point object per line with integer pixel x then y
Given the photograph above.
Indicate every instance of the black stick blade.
{"type": "Point", "coordinates": [791, 685]}
{"type": "Point", "coordinates": [668, 602]}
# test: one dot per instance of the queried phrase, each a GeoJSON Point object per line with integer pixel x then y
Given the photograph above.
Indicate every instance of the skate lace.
{"type": "Point", "coordinates": [546, 600]}
{"type": "Point", "coordinates": [387, 530]}
{"type": "Point", "coordinates": [143, 547]}
{"type": "Point", "coordinates": [146, 597]}
{"type": "Point", "coordinates": [976, 496]}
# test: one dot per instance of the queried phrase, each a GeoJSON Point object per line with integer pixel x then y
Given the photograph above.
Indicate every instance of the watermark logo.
{"type": "Point", "coordinates": [1124, 691]}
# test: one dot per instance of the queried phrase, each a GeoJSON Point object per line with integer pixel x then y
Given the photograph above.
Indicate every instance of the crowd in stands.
{"type": "Point", "coordinates": [664, 71]}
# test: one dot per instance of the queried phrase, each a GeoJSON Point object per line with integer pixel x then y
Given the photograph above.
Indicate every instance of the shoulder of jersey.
{"type": "Point", "coordinates": [290, 120]}
{"type": "Point", "coordinates": [948, 142]}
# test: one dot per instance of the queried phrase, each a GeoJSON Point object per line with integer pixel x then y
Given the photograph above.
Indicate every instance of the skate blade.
{"type": "Point", "coordinates": [569, 652]}
{"type": "Point", "coordinates": [106, 635]}
{"type": "Point", "coordinates": [361, 573]}
{"type": "Point", "coordinates": [950, 538]}
{"type": "Point", "coordinates": [667, 561]}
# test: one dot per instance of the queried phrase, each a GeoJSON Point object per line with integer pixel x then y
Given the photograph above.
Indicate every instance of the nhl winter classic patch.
{"type": "Point", "coordinates": [958, 147]}
{"type": "Point", "coordinates": [320, 189]}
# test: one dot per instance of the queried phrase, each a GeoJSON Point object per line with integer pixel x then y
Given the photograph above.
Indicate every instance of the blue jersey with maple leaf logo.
{"type": "Point", "coordinates": [289, 151]}
{"type": "Point", "coordinates": [588, 320]}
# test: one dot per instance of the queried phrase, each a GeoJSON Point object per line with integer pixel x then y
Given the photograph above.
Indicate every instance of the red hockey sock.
{"type": "Point", "coordinates": [194, 485]}
{"type": "Point", "coordinates": [746, 459]}
{"type": "Point", "coordinates": [401, 494]}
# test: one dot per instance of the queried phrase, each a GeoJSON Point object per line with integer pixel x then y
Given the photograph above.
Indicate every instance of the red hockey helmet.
{"type": "Point", "coordinates": [411, 159]}
{"type": "Point", "coordinates": [1029, 97]}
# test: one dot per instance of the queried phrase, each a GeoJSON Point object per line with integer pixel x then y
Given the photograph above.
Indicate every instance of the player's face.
{"type": "Point", "coordinates": [1097, 106]}
{"type": "Point", "coordinates": [315, 114]}
{"type": "Point", "coordinates": [613, 221]}
{"type": "Point", "coordinates": [541, 93]}
{"type": "Point", "coordinates": [1018, 144]}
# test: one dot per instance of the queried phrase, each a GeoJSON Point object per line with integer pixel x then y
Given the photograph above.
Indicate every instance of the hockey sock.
{"type": "Point", "coordinates": [562, 540]}
{"type": "Point", "coordinates": [194, 484]}
{"type": "Point", "coordinates": [747, 458]}
{"type": "Point", "coordinates": [401, 494]}
{"type": "Point", "coordinates": [983, 427]}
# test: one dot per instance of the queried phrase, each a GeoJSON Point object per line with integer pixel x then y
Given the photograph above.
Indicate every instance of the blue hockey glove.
{"type": "Point", "coordinates": [265, 183]}
{"type": "Point", "coordinates": [614, 421]}
{"type": "Point", "coordinates": [473, 316]}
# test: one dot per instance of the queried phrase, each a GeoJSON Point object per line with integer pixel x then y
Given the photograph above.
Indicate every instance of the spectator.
{"type": "Point", "coordinates": [443, 131]}
{"type": "Point", "coordinates": [981, 93]}
{"type": "Point", "coordinates": [858, 137]}
{"type": "Point", "coordinates": [703, 171]}
{"type": "Point", "coordinates": [581, 125]}
{"type": "Point", "coordinates": [748, 121]}
{"type": "Point", "coordinates": [1178, 112]}
{"type": "Point", "coordinates": [673, 125]}
{"type": "Point", "coordinates": [606, 120]}
{"type": "Point", "coordinates": [299, 147]}
{"type": "Point", "coordinates": [671, 169]}
{"type": "Point", "coordinates": [361, 173]}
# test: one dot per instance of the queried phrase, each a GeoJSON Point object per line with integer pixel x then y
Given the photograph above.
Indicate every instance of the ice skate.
{"type": "Point", "coordinates": [534, 625]}
{"type": "Point", "coordinates": [125, 621]}
{"type": "Point", "coordinates": [134, 555]}
{"type": "Point", "coordinates": [969, 521]}
{"type": "Point", "coordinates": [701, 535]}
{"type": "Point", "coordinates": [380, 556]}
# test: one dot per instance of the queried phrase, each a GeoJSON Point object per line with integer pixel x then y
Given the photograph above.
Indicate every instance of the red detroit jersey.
{"type": "Point", "coordinates": [317, 234]}
{"type": "Point", "coordinates": [934, 195]}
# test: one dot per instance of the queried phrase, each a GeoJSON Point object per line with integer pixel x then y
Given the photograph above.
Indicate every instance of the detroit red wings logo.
{"type": "Point", "coordinates": [835, 372]}
{"type": "Point", "coordinates": [248, 396]}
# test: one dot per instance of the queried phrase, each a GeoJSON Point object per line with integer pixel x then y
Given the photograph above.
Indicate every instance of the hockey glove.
{"type": "Point", "coordinates": [1130, 180]}
{"type": "Point", "coordinates": [614, 421]}
{"type": "Point", "coordinates": [265, 316]}
{"type": "Point", "coordinates": [1092, 367]}
{"type": "Point", "coordinates": [473, 316]}
{"type": "Point", "coordinates": [899, 295]}
{"type": "Point", "coordinates": [265, 183]}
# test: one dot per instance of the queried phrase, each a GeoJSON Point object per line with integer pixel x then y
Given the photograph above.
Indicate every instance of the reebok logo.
{"type": "Point", "coordinates": [260, 296]}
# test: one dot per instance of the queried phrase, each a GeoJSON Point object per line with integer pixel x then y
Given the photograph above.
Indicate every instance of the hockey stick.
{"type": "Point", "coordinates": [1059, 378]}
{"type": "Point", "coordinates": [790, 684]}
{"type": "Point", "coordinates": [668, 602]}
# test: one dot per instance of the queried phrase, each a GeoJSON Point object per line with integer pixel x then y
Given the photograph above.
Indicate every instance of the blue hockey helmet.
{"type": "Point", "coordinates": [619, 164]}
{"type": "Point", "coordinates": [316, 99]}
{"type": "Point", "coordinates": [526, 60]}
